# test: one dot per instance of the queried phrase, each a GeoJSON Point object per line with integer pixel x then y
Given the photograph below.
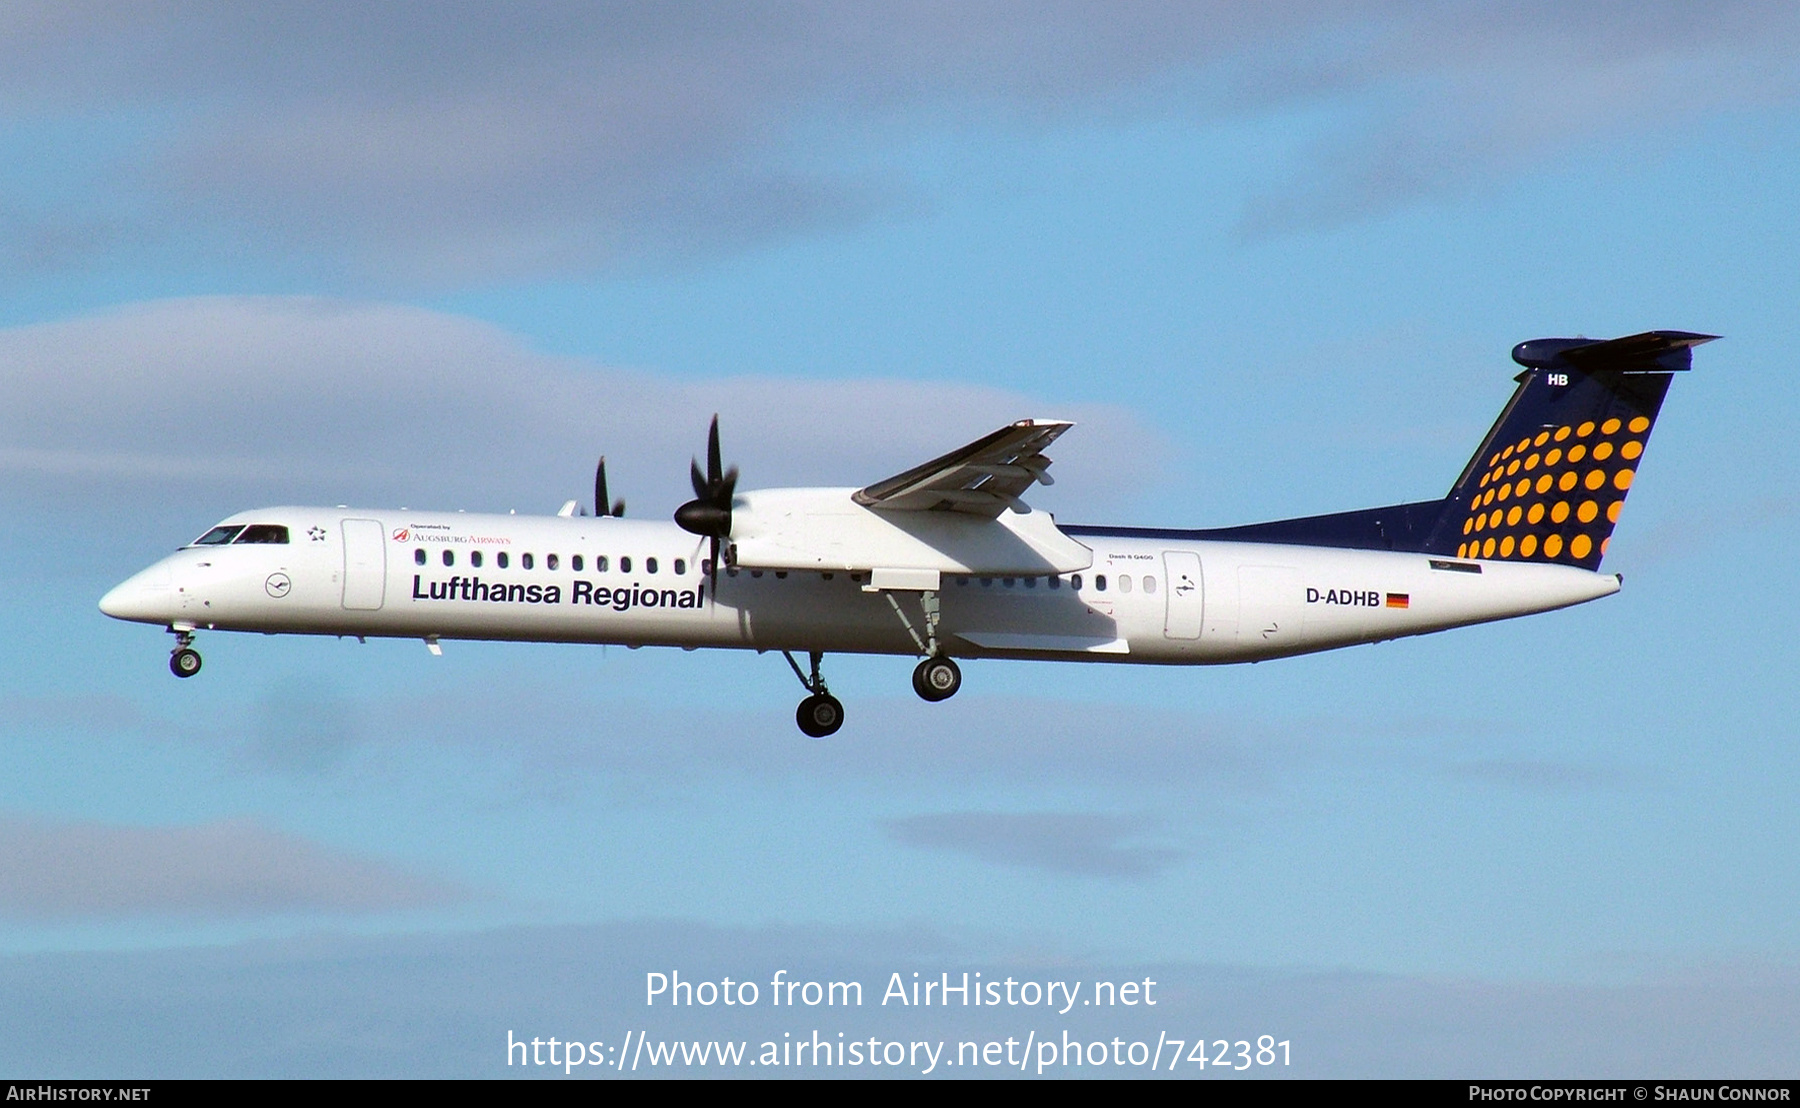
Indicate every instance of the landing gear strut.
{"type": "Point", "coordinates": [820, 714]}
{"type": "Point", "coordinates": [184, 660]}
{"type": "Point", "coordinates": [937, 678]}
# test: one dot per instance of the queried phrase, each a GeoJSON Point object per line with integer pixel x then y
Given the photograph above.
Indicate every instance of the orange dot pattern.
{"type": "Point", "coordinates": [1566, 507]}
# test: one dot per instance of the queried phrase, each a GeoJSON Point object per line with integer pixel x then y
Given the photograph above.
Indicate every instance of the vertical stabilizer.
{"type": "Point", "coordinates": [1550, 479]}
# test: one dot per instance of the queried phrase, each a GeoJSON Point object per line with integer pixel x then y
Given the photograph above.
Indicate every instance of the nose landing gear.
{"type": "Point", "coordinates": [184, 660]}
{"type": "Point", "coordinates": [820, 714]}
{"type": "Point", "coordinates": [937, 678]}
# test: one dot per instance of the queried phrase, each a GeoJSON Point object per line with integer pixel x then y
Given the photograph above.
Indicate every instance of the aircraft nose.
{"type": "Point", "coordinates": [143, 598]}
{"type": "Point", "coordinates": [117, 603]}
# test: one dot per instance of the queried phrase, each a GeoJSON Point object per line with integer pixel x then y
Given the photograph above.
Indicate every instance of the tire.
{"type": "Point", "coordinates": [184, 662]}
{"type": "Point", "coordinates": [819, 716]}
{"type": "Point", "coordinates": [937, 679]}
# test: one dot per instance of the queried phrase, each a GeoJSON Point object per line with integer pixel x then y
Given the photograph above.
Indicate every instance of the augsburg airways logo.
{"type": "Point", "coordinates": [440, 532]}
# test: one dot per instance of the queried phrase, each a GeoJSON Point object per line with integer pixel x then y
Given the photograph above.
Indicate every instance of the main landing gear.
{"type": "Point", "coordinates": [937, 677]}
{"type": "Point", "coordinates": [184, 660]}
{"type": "Point", "coordinates": [820, 714]}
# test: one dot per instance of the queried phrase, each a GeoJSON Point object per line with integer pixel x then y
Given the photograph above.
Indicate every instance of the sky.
{"type": "Point", "coordinates": [1270, 257]}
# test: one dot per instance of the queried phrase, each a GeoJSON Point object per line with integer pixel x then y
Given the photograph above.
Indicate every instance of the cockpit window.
{"type": "Point", "coordinates": [263, 532]}
{"type": "Point", "coordinates": [218, 536]}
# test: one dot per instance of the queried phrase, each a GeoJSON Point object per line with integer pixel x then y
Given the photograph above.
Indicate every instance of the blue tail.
{"type": "Point", "coordinates": [1550, 478]}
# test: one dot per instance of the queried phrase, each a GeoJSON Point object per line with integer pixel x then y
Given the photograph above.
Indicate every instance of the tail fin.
{"type": "Point", "coordinates": [1549, 480]}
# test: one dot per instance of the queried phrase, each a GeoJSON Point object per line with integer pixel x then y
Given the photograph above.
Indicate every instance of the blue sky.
{"type": "Point", "coordinates": [1270, 257]}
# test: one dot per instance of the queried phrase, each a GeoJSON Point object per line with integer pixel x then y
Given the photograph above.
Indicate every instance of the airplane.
{"type": "Point", "coordinates": [946, 561]}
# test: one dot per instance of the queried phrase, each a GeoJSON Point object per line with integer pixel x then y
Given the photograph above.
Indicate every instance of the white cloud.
{"type": "Point", "coordinates": [439, 143]}
{"type": "Point", "coordinates": [442, 1005]}
{"type": "Point", "coordinates": [540, 741]}
{"type": "Point", "coordinates": [283, 400]}
{"type": "Point", "coordinates": [1089, 844]}
{"type": "Point", "coordinates": [230, 868]}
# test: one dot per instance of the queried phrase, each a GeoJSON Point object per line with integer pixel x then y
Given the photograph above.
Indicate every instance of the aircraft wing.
{"type": "Point", "coordinates": [983, 478]}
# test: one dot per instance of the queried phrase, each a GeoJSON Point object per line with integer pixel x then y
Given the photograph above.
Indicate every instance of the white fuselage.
{"type": "Point", "coordinates": [1160, 600]}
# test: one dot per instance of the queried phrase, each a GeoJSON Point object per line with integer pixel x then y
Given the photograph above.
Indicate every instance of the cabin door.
{"type": "Point", "coordinates": [1186, 598]}
{"type": "Point", "coordinates": [365, 564]}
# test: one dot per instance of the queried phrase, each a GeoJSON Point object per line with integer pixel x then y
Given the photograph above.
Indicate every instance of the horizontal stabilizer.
{"type": "Point", "coordinates": [1652, 351]}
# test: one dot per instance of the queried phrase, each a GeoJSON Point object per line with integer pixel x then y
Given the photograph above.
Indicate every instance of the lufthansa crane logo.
{"type": "Point", "coordinates": [277, 585]}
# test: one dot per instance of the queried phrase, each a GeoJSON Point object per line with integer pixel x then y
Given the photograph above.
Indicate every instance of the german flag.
{"type": "Point", "coordinates": [1398, 600]}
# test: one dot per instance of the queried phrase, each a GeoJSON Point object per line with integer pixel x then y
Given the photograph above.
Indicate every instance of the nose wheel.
{"type": "Point", "coordinates": [820, 714]}
{"type": "Point", "coordinates": [184, 660]}
{"type": "Point", "coordinates": [936, 679]}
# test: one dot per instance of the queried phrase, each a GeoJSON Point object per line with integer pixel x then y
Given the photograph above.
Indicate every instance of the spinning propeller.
{"type": "Point", "coordinates": [601, 506]}
{"type": "Point", "coordinates": [709, 513]}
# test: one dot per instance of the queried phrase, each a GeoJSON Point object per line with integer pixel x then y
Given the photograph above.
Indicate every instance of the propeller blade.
{"type": "Point", "coordinates": [709, 513]}
{"type": "Point", "coordinates": [618, 508]}
{"type": "Point", "coordinates": [713, 466]}
{"type": "Point", "coordinates": [600, 500]}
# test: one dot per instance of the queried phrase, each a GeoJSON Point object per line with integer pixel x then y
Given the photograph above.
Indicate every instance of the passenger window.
{"type": "Point", "coordinates": [475, 558]}
{"type": "Point", "coordinates": [1099, 582]}
{"type": "Point", "coordinates": [1008, 582]}
{"type": "Point", "coordinates": [1124, 582]}
{"type": "Point", "coordinates": [419, 558]}
{"type": "Point", "coordinates": [549, 561]}
{"type": "Point", "coordinates": [600, 564]}
{"type": "Point", "coordinates": [1149, 584]}
{"type": "Point", "coordinates": [625, 564]}
{"type": "Point", "coordinates": [218, 536]}
{"type": "Point", "coordinates": [1075, 582]}
{"type": "Point", "coordinates": [1053, 582]}
{"type": "Point", "coordinates": [680, 566]}
{"type": "Point", "coordinates": [649, 565]}
{"type": "Point", "coordinates": [987, 582]}
{"type": "Point", "coordinates": [501, 559]}
{"type": "Point", "coordinates": [575, 562]}
{"type": "Point", "coordinates": [524, 561]}
{"type": "Point", "coordinates": [263, 532]}
{"type": "Point", "coordinates": [1031, 582]}
{"type": "Point", "coordinates": [449, 557]}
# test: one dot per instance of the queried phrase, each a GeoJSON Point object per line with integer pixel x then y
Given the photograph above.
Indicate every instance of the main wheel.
{"type": "Point", "coordinates": [937, 679]}
{"type": "Point", "coordinates": [819, 716]}
{"type": "Point", "coordinates": [184, 662]}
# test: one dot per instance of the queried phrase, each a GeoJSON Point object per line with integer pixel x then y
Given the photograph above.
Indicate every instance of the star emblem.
{"type": "Point", "coordinates": [317, 534]}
